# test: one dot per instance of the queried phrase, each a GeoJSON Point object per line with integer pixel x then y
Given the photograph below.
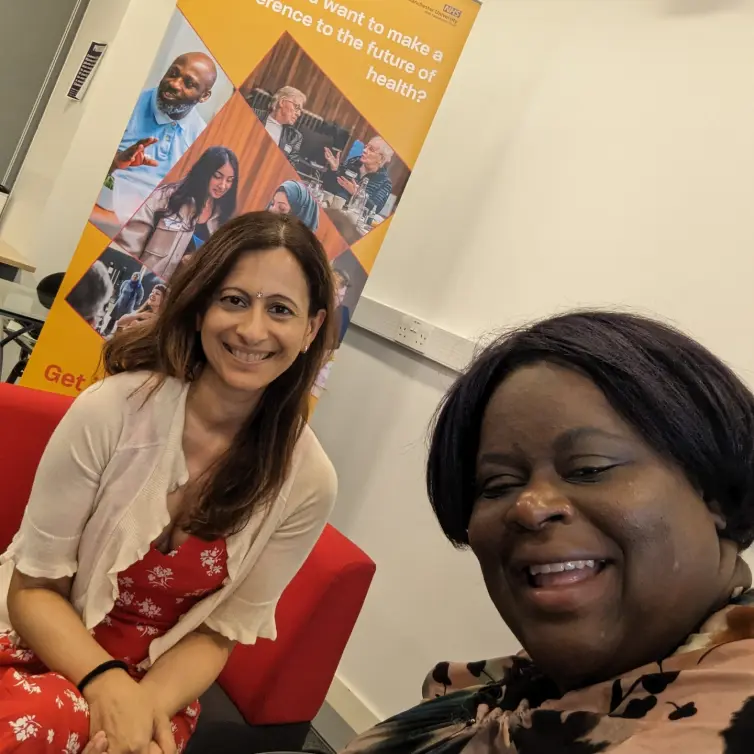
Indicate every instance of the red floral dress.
{"type": "Point", "coordinates": [42, 712]}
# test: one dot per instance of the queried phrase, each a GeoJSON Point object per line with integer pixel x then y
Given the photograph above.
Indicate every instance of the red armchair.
{"type": "Point", "coordinates": [271, 684]}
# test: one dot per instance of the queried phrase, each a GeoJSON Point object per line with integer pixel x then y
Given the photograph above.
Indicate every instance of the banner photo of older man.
{"type": "Point", "coordinates": [344, 162]}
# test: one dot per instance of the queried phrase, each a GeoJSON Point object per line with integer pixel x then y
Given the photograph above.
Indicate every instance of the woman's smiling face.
{"type": "Point", "coordinates": [280, 204]}
{"type": "Point", "coordinates": [598, 553]}
{"type": "Point", "coordinates": [259, 321]}
{"type": "Point", "coordinates": [222, 181]}
{"type": "Point", "coordinates": [155, 298]}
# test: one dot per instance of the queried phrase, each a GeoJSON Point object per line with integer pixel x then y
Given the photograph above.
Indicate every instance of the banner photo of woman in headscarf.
{"type": "Point", "coordinates": [293, 198]}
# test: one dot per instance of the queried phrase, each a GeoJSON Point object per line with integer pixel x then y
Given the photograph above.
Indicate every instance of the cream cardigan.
{"type": "Point", "coordinates": [100, 499]}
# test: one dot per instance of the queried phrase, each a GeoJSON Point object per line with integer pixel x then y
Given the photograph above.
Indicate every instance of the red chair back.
{"type": "Point", "coordinates": [27, 419]}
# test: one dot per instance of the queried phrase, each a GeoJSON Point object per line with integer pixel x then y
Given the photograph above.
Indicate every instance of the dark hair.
{"type": "Point", "coordinates": [193, 190]}
{"type": "Point", "coordinates": [684, 401]}
{"type": "Point", "coordinates": [253, 471]}
{"type": "Point", "coordinates": [92, 292]}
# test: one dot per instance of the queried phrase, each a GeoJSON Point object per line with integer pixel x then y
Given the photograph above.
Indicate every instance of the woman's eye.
{"type": "Point", "coordinates": [588, 473]}
{"type": "Point", "coordinates": [233, 301]}
{"type": "Point", "coordinates": [498, 488]}
{"type": "Point", "coordinates": [280, 310]}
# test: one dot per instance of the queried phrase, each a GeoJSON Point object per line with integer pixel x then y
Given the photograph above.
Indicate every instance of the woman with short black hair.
{"type": "Point", "coordinates": [601, 468]}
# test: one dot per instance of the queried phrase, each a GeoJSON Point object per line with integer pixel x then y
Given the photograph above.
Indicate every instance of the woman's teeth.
{"type": "Point", "coordinates": [568, 565]}
{"type": "Point", "coordinates": [563, 574]}
{"type": "Point", "coordinates": [248, 357]}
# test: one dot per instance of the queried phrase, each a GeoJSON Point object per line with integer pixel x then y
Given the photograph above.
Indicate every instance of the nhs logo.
{"type": "Point", "coordinates": [451, 11]}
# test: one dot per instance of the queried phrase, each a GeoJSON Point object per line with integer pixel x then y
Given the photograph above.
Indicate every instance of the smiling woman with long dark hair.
{"type": "Point", "coordinates": [601, 468]}
{"type": "Point", "coordinates": [174, 503]}
{"type": "Point", "coordinates": [179, 217]}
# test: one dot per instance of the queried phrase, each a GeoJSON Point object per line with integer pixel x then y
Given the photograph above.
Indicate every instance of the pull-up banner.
{"type": "Point", "coordinates": [315, 108]}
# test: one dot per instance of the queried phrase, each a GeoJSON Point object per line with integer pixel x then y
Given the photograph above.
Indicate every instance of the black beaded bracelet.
{"type": "Point", "coordinates": [99, 670]}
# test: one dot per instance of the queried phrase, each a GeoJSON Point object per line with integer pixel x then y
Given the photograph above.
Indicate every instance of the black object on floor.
{"type": "Point", "coordinates": [239, 738]}
{"type": "Point", "coordinates": [222, 729]}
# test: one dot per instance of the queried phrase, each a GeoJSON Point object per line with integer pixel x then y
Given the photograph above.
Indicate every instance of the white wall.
{"type": "Point", "coordinates": [63, 170]}
{"type": "Point", "coordinates": [427, 602]}
{"type": "Point", "coordinates": [613, 164]}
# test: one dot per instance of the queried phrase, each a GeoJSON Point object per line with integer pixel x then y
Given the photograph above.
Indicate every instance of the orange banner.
{"type": "Point", "coordinates": [316, 108]}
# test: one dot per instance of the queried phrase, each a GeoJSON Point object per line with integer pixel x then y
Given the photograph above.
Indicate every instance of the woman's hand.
{"type": "Point", "coordinates": [97, 744]}
{"type": "Point", "coordinates": [163, 741]}
{"type": "Point", "coordinates": [127, 715]}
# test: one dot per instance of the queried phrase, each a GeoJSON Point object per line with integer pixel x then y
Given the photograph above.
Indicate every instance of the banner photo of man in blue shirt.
{"type": "Point", "coordinates": [163, 125]}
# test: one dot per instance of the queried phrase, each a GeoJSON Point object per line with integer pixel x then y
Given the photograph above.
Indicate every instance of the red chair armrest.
{"type": "Point", "coordinates": [286, 681]}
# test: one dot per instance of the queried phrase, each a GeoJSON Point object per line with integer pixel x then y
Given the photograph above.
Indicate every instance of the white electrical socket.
{"type": "Point", "coordinates": [413, 333]}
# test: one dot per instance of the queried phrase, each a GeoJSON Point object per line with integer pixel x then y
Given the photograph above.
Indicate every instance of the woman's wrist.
{"type": "Point", "coordinates": [99, 685]}
{"type": "Point", "coordinates": [104, 667]}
